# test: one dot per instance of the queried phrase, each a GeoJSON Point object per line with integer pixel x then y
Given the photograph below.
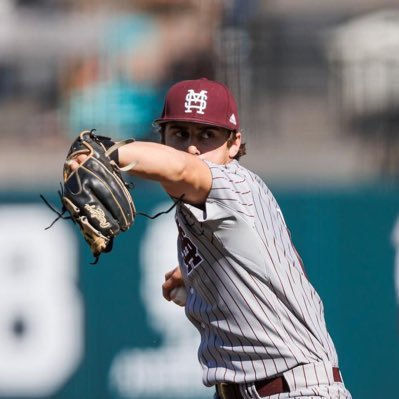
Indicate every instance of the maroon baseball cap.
{"type": "Point", "coordinates": [200, 101]}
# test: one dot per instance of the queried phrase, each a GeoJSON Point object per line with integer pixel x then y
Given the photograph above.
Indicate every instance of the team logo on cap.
{"type": "Point", "coordinates": [196, 101]}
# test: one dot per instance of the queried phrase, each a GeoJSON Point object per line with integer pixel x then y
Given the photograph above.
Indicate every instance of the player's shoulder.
{"type": "Point", "coordinates": [233, 168]}
{"type": "Point", "coordinates": [235, 174]}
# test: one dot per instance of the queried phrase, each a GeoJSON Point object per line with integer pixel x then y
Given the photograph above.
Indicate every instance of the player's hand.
{"type": "Point", "coordinates": [173, 279]}
{"type": "Point", "coordinates": [74, 164]}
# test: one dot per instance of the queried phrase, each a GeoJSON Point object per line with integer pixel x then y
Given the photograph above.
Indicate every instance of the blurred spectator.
{"type": "Point", "coordinates": [119, 89]}
{"type": "Point", "coordinates": [105, 91]}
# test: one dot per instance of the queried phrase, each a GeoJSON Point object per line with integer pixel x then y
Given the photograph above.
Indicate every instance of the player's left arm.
{"type": "Point", "coordinates": [180, 173]}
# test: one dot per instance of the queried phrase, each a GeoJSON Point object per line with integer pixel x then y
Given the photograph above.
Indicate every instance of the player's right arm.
{"type": "Point", "coordinates": [173, 279]}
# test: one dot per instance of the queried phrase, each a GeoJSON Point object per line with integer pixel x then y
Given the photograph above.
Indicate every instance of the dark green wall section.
{"type": "Point", "coordinates": [345, 239]}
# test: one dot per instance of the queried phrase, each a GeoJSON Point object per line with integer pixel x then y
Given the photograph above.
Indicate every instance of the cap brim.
{"type": "Point", "coordinates": [193, 120]}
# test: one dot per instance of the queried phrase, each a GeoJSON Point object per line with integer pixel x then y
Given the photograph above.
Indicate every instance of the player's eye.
{"type": "Point", "coordinates": [207, 134]}
{"type": "Point", "coordinates": [181, 134]}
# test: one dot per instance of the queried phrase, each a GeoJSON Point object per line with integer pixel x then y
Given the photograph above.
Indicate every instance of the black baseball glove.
{"type": "Point", "coordinates": [95, 194]}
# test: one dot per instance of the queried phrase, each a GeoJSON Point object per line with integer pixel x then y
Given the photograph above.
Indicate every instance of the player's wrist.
{"type": "Point", "coordinates": [108, 143]}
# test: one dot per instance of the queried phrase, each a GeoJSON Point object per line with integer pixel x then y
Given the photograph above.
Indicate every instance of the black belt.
{"type": "Point", "coordinates": [266, 387]}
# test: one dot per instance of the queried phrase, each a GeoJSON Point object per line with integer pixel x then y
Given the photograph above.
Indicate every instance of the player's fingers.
{"type": "Point", "coordinates": [169, 274]}
{"type": "Point", "coordinates": [169, 285]}
{"type": "Point", "coordinates": [166, 288]}
{"type": "Point", "coordinates": [75, 163]}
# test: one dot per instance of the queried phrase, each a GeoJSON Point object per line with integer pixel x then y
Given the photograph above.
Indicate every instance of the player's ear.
{"type": "Point", "coordinates": [233, 144]}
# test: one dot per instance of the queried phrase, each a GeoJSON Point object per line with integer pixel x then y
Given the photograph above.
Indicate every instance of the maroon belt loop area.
{"type": "Point", "coordinates": [266, 387]}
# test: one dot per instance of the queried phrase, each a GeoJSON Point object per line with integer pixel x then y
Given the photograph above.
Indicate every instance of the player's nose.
{"type": "Point", "coordinates": [192, 149]}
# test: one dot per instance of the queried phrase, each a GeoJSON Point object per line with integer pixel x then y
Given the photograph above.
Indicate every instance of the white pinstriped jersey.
{"type": "Point", "coordinates": [248, 296]}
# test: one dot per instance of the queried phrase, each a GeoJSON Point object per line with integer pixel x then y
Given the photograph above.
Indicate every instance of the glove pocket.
{"type": "Point", "coordinates": [89, 209]}
{"type": "Point", "coordinates": [111, 191]}
{"type": "Point", "coordinates": [99, 216]}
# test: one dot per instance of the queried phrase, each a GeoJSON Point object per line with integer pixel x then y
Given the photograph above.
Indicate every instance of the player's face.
{"type": "Point", "coordinates": [208, 142]}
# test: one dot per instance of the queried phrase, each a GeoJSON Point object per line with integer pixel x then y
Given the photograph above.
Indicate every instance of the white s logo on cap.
{"type": "Point", "coordinates": [197, 101]}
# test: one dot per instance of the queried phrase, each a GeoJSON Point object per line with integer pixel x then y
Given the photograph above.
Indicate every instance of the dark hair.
{"type": "Point", "coordinates": [160, 128]}
{"type": "Point", "coordinates": [243, 148]}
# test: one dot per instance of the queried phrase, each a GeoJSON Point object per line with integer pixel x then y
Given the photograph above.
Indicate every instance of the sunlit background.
{"type": "Point", "coordinates": [317, 84]}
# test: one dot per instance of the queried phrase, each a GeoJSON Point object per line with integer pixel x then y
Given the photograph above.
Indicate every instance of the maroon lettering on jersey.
{"type": "Point", "coordinates": [189, 251]}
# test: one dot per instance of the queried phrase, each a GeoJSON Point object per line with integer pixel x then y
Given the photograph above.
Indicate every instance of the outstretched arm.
{"type": "Point", "coordinates": [179, 173]}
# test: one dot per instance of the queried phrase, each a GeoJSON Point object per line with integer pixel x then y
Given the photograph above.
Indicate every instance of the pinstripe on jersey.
{"type": "Point", "coordinates": [248, 296]}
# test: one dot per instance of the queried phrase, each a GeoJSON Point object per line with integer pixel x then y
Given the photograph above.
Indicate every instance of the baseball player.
{"type": "Point", "coordinates": [261, 322]}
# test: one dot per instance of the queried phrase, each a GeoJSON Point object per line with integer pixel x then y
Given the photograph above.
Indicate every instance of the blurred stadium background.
{"type": "Point", "coordinates": [317, 84]}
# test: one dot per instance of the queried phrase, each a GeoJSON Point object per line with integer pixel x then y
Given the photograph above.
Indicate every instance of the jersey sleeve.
{"type": "Point", "coordinates": [230, 193]}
